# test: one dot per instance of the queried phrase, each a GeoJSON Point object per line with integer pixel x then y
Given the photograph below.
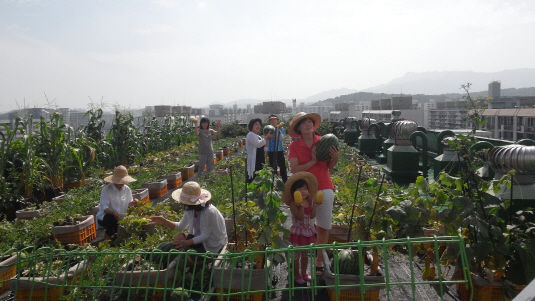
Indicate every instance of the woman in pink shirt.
{"type": "Point", "coordinates": [302, 157]}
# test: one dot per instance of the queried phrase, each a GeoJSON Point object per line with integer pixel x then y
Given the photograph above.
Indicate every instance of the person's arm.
{"type": "Point", "coordinates": [296, 167]}
{"type": "Point", "coordinates": [253, 139]}
{"type": "Point", "coordinates": [195, 129]}
{"type": "Point", "coordinates": [105, 201]}
{"type": "Point", "coordinates": [218, 132]}
{"type": "Point", "coordinates": [334, 152]}
{"type": "Point", "coordinates": [313, 211]}
{"type": "Point", "coordinates": [162, 221]}
{"type": "Point", "coordinates": [297, 211]}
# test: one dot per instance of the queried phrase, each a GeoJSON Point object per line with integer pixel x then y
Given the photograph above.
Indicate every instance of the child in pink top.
{"type": "Point", "coordinates": [302, 231]}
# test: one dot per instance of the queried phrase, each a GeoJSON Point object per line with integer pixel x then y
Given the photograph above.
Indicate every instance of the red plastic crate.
{"type": "Point", "coordinates": [157, 193]}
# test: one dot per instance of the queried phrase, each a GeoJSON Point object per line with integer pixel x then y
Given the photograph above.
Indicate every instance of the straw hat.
{"type": "Point", "coordinates": [120, 176]}
{"type": "Point", "coordinates": [191, 194]}
{"type": "Point", "coordinates": [292, 131]}
{"type": "Point", "coordinates": [312, 184]}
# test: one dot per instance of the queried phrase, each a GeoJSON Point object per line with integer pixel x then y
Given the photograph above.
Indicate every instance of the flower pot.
{"type": "Point", "coordinates": [142, 194]}
{"type": "Point", "coordinates": [22, 214]}
{"type": "Point", "coordinates": [156, 189]}
{"type": "Point", "coordinates": [8, 270]}
{"type": "Point", "coordinates": [174, 180]}
{"type": "Point", "coordinates": [53, 287]}
{"type": "Point", "coordinates": [350, 293]}
{"type": "Point", "coordinates": [79, 234]}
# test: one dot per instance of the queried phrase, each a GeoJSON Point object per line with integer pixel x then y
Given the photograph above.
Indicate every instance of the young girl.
{"type": "Point", "coordinates": [206, 152]}
{"type": "Point", "coordinates": [302, 232]}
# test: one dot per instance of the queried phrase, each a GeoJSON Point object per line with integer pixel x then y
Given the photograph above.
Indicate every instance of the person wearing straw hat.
{"type": "Point", "coordinates": [302, 231]}
{"type": "Point", "coordinates": [206, 225]}
{"type": "Point", "coordinates": [302, 157]}
{"type": "Point", "coordinates": [115, 199]}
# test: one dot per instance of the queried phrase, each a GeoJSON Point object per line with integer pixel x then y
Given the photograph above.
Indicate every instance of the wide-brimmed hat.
{"type": "Point", "coordinates": [119, 176]}
{"type": "Point", "coordinates": [292, 131]}
{"type": "Point", "coordinates": [312, 184]}
{"type": "Point", "coordinates": [192, 194]}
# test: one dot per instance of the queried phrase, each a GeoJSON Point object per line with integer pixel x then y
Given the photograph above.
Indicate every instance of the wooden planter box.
{"type": "Point", "coordinates": [350, 293]}
{"type": "Point", "coordinates": [237, 279]}
{"type": "Point", "coordinates": [8, 270]}
{"type": "Point", "coordinates": [37, 287]}
{"type": "Point", "coordinates": [338, 234]}
{"type": "Point", "coordinates": [174, 180]}
{"type": "Point", "coordinates": [76, 234]}
{"type": "Point", "coordinates": [484, 290]}
{"type": "Point", "coordinates": [72, 185]}
{"type": "Point", "coordinates": [188, 172]}
{"type": "Point", "coordinates": [156, 189]}
{"type": "Point", "coordinates": [146, 278]}
{"type": "Point", "coordinates": [21, 214]}
{"type": "Point", "coordinates": [219, 154]}
{"type": "Point", "coordinates": [142, 194]}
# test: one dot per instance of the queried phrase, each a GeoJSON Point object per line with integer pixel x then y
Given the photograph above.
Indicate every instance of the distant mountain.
{"type": "Point", "coordinates": [450, 81]}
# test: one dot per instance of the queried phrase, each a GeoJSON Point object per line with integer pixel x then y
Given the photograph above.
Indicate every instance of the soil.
{"type": "Point", "coordinates": [69, 221]}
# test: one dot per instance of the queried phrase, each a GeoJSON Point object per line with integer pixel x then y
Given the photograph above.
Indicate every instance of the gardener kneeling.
{"type": "Point", "coordinates": [204, 222]}
{"type": "Point", "coordinates": [115, 200]}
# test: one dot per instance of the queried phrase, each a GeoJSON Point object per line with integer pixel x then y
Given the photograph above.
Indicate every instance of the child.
{"type": "Point", "coordinates": [206, 152]}
{"type": "Point", "coordinates": [302, 232]}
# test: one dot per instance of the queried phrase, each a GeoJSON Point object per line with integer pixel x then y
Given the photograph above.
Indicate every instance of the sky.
{"type": "Point", "coordinates": [138, 53]}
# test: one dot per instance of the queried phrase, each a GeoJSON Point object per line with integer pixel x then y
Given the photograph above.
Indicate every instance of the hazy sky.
{"type": "Point", "coordinates": [139, 53]}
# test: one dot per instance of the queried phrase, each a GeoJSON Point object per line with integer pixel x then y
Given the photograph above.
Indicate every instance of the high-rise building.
{"type": "Point", "coordinates": [494, 90]}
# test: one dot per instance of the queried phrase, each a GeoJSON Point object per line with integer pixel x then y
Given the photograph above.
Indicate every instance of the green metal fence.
{"type": "Point", "coordinates": [46, 274]}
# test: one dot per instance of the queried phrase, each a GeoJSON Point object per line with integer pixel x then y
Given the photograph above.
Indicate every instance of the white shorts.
{"type": "Point", "coordinates": [324, 212]}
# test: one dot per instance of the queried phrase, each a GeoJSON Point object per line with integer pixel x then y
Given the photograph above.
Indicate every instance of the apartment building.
{"type": "Point", "coordinates": [510, 124]}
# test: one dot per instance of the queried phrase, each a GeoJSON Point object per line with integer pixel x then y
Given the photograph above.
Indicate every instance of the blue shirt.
{"type": "Point", "coordinates": [279, 136]}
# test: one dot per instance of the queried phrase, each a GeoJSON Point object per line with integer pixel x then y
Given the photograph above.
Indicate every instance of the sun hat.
{"type": "Point", "coordinates": [191, 193]}
{"type": "Point", "coordinates": [312, 184]}
{"type": "Point", "coordinates": [300, 116]}
{"type": "Point", "coordinates": [119, 176]}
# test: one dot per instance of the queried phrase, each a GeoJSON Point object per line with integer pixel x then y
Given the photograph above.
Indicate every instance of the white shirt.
{"type": "Point", "coordinates": [111, 197]}
{"type": "Point", "coordinates": [253, 142]}
{"type": "Point", "coordinates": [213, 231]}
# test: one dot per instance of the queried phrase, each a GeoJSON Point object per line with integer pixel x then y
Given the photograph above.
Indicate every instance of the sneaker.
{"type": "Point", "coordinates": [299, 280]}
{"type": "Point", "coordinates": [307, 277]}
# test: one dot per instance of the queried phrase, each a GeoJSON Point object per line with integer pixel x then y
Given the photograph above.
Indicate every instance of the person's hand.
{"type": "Point", "coordinates": [133, 203]}
{"type": "Point", "coordinates": [269, 136]}
{"type": "Point", "coordinates": [334, 152]}
{"type": "Point", "coordinates": [305, 204]}
{"type": "Point", "coordinates": [158, 220]}
{"type": "Point", "coordinates": [178, 242]}
{"type": "Point", "coordinates": [116, 215]}
{"type": "Point", "coordinates": [314, 158]}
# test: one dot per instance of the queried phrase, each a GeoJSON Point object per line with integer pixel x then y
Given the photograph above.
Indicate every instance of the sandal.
{"type": "Point", "coordinates": [319, 271]}
{"type": "Point", "coordinates": [307, 277]}
{"type": "Point", "coordinates": [299, 280]}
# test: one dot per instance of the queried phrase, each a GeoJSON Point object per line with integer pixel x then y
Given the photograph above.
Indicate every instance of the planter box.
{"type": "Point", "coordinates": [237, 279]}
{"type": "Point", "coordinates": [339, 234]}
{"type": "Point", "coordinates": [188, 172]}
{"type": "Point", "coordinates": [215, 160]}
{"type": "Point", "coordinates": [142, 194]}
{"type": "Point", "coordinates": [8, 270]}
{"type": "Point", "coordinates": [59, 199]}
{"type": "Point", "coordinates": [174, 180]}
{"type": "Point", "coordinates": [226, 151]}
{"type": "Point", "coordinates": [244, 141]}
{"type": "Point", "coordinates": [221, 172]}
{"type": "Point", "coordinates": [219, 154]}
{"type": "Point", "coordinates": [76, 234]}
{"type": "Point", "coordinates": [156, 189]}
{"type": "Point", "coordinates": [350, 293]}
{"type": "Point", "coordinates": [21, 214]}
{"type": "Point", "coordinates": [72, 185]}
{"type": "Point", "coordinates": [484, 290]}
{"type": "Point", "coordinates": [146, 278]}
{"type": "Point", "coordinates": [37, 287]}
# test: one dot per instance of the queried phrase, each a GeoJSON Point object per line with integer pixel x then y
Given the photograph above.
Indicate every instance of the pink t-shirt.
{"type": "Point", "coordinates": [299, 150]}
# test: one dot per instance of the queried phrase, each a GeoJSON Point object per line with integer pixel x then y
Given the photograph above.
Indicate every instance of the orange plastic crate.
{"type": "Point", "coordinates": [247, 297]}
{"type": "Point", "coordinates": [157, 193]}
{"type": "Point", "coordinates": [220, 156]}
{"type": "Point", "coordinates": [80, 237]}
{"type": "Point", "coordinates": [332, 239]}
{"type": "Point", "coordinates": [226, 152]}
{"type": "Point", "coordinates": [215, 160]}
{"type": "Point", "coordinates": [353, 295]}
{"type": "Point", "coordinates": [174, 183]}
{"type": "Point", "coordinates": [145, 200]}
{"type": "Point", "coordinates": [485, 292]}
{"type": "Point", "coordinates": [52, 294]}
{"type": "Point", "coordinates": [7, 274]}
